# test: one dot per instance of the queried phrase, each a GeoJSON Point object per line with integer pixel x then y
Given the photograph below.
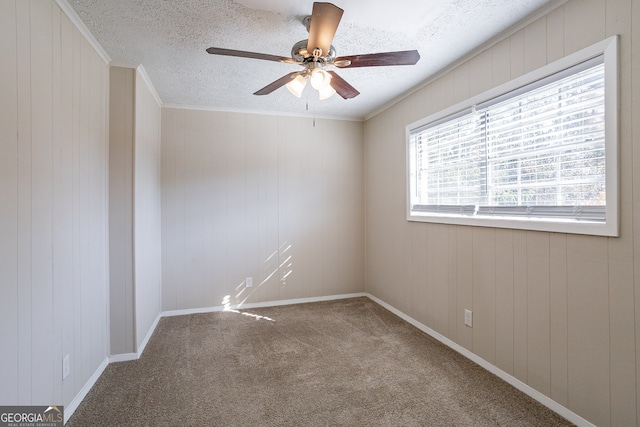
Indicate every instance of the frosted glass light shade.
{"type": "Point", "coordinates": [326, 92]}
{"type": "Point", "coordinates": [320, 79]}
{"type": "Point", "coordinates": [296, 86]}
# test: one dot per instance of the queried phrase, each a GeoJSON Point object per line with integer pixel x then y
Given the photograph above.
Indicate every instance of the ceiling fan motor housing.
{"type": "Point", "coordinates": [300, 54]}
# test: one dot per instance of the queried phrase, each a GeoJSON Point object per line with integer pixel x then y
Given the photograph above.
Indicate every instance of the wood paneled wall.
{"type": "Point", "coordinates": [147, 209]}
{"type": "Point", "coordinates": [53, 205]}
{"type": "Point", "coordinates": [134, 209]}
{"type": "Point", "coordinates": [121, 209]}
{"type": "Point", "coordinates": [269, 197]}
{"type": "Point", "coordinates": [556, 311]}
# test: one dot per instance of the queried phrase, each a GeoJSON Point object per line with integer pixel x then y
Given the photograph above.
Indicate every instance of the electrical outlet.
{"type": "Point", "coordinates": [66, 367]}
{"type": "Point", "coordinates": [248, 282]}
{"type": "Point", "coordinates": [468, 318]}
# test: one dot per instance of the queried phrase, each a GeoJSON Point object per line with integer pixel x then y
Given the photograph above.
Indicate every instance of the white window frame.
{"type": "Point", "coordinates": [610, 227]}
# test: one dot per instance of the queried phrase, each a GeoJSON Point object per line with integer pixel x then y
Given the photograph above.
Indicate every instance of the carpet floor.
{"type": "Point", "coordinates": [336, 363]}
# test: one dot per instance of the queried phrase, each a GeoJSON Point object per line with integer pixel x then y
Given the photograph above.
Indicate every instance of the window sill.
{"type": "Point", "coordinates": [552, 225]}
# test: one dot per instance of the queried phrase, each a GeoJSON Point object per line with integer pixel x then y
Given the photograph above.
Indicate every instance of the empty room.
{"type": "Point", "coordinates": [269, 213]}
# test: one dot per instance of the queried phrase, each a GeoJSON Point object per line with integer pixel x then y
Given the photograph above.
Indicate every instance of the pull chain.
{"type": "Point", "coordinates": [314, 111]}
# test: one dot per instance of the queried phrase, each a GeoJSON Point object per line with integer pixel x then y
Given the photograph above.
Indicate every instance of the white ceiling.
{"type": "Point", "coordinates": [169, 38]}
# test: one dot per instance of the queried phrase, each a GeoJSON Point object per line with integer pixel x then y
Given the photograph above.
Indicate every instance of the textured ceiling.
{"type": "Point", "coordinates": [169, 38]}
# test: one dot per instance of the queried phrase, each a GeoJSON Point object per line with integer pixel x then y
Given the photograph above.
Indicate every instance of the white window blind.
{"type": "Point", "coordinates": [537, 151]}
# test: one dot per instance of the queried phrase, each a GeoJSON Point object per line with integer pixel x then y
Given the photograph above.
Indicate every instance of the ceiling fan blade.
{"type": "Point", "coordinates": [277, 84]}
{"type": "Point", "coordinates": [324, 23]}
{"type": "Point", "coordinates": [406, 57]}
{"type": "Point", "coordinates": [254, 55]}
{"type": "Point", "coordinates": [341, 86]}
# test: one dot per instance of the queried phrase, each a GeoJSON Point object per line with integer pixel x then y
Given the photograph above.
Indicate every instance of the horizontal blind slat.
{"type": "Point", "coordinates": [545, 146]}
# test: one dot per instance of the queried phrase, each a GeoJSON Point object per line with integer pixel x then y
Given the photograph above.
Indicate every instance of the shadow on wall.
{"type": "Point", "coordinates": [244, 292]}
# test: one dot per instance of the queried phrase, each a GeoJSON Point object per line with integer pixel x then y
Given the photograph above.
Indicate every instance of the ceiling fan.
{"type": "Point", "coordinates": [316, 53]}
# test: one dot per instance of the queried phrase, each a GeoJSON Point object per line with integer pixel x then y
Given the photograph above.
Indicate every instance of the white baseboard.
{"type": "Point", "coordinates": [123, 357]}
{"type": "Point", "coordinates": [261, 304]}
{"type": "Point", "coordinates": [71, 408]}
{"type": "Point", "coordinates": [114, 358]}
{"type": "Point", "coordinates": [146, 339]}
{"type": "Point", "coordinates": [526, 389]}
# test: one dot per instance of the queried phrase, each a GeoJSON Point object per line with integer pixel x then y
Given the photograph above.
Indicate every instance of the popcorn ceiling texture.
{"type": "Point", "coordinates": [169, 38]}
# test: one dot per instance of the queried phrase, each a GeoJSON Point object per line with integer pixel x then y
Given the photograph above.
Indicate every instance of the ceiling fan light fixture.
{"type": "Point", "coordinates": [326, 92]}
{"type": "Point", "coordinates": [297, 85]}
{"type": "Point", "coordinates": [320, 79]}
{"type": "Point", "coordinates": [316, 52]}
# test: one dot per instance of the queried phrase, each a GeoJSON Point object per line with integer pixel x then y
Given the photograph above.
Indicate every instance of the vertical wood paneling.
{"type": "Point", "coordinates": [325, 192]}
{"type": "Point", "coordinates": [64, 225]}
{"type": "Point", "coordinates": [45, 84]}
{"type": "Point", "coordinates": [535, 45]}
{"type": "Point", "coordinates": [9, 207]}
{"type": "Point", "coordinates": [464, 288]}
{"type": "Point", "coordinates": [23, 161]}
{"type": "Point", "coordinates": [293, 259]}
{"type": "Point", "coordinates": [500, 63]}
{"type": "Point", "coordinates": [76, 362]}
{"type": "Point", "coordinates": [620, 250]}
{"type": "Point", "coordinates": [480, 73]}
{"type": "Point", "coordinates": [121, 151]}
{"type": "Point", "coordinates": [635, 154]}
{"type": "Point", "coordinates": [260, 201]}
{"type": "Point", "coordinates": [538, 354]}
{"type": "Point", "coordinates": [194, 191]}
{"type": "Point", "coordinates": [422, 260]}
{"type": "Point", "coordinates": [236, 195]}
{"type": "Point", "coordinates": [315, 272]}
{"type": "Point", "coordinates": [455, 317]}
{"type": "Point", "coordinates": [351, 203]}
{"type": "Point", "coordinates": [92, 214]}
{"type": "Point", "coordinates": [382, 214]}
{"type": "Point", "coordinates": [84, 196]}
{"type": "Point", "coordinates": [59, 255]}
{"type": "Point", "coordinates": [424, 286]}
{"type": "Point", "coordinates": [169, 212]}
{"type": "Point", "coordinates": [215, 208]}
{"type": "Point", "coordinates": [588, 328]}
{"type": "Point", "coordinates": [147, 210]}
{"type": "Point", "coordinates": [100, 211]}
{"type": "Point", "coordinates": [269, 209]}
{"type": "Point", "coordinates": [41, 200]}
{"type": "Point", "coordinates": [520, 306]}
{"type": "Point", "coordinates": [377, 271]}
{"type": "Point", "coordinates": [343, 188]}
{"type": "Point", "coordinates": [622, 335]}
{"type": "Point", "coordinates": [583, 24]}
{"type": "Point", "coordinates": [440, 266]}
{"type": "Point", "coordinates": [196, 170]}
{"type": "Point", "coordinates": [461, 90]}
{"type": "Point", "coordinates": [252, 198]}
{"type": "Point", "coordinates": [354, 199]}
{"type": "Point", "coordinates": [517, 54]}
{"type": "Point", "coordinates": [484, 293]}
{"type": "Point", "coordinates": [555, 35]}
{"type": "Point", "coordinates": [558, 317]}
{"type": "Point", "coordinates": [504, 317]}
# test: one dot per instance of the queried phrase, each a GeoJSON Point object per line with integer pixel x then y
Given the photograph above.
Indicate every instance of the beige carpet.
{"type": "Point", "coordinates": [338, 363]}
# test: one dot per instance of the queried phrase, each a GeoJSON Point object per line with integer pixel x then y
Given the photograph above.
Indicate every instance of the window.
{"type": "Point", "coordinates": [538, 153]}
